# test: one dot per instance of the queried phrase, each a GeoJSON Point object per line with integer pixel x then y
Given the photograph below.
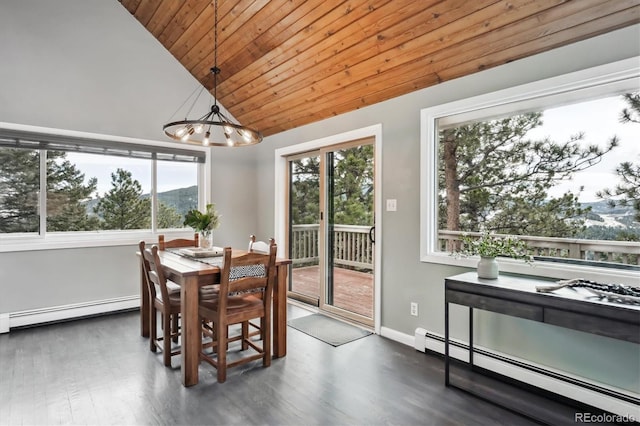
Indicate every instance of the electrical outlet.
{"type": "Point", "coordinates": [414, 309]}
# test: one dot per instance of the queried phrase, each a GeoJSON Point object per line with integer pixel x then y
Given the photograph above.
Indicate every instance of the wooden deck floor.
{"type": "Point", "coordinates": [352, 291]}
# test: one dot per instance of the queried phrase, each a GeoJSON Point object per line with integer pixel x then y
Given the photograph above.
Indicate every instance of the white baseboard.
{"type": "Point", "coordinates": [392, 334]}
{"type": "Point", "coordinates": [4, 323]}
{"type": "Point", "coordinates": [65, 312]}
{"type": "Point", "coordinates": [553, 382]}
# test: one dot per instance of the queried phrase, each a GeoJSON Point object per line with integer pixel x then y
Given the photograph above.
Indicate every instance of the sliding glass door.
{"type": "Point", "coordinates": [304, 223]}
{"type": "Point", "coordinates": [331, 219]}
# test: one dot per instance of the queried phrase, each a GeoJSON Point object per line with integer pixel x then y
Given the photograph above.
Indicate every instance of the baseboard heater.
{"type": "Point", "coordinates": [53, 314]}
{"type": "Point", "coordinates": [569, 388]}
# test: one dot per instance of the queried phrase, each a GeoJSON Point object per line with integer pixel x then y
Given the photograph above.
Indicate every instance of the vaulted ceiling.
{"type": "Point", "coordinates": [286, 63]}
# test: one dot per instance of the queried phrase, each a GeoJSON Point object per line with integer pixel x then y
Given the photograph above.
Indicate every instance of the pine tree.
{"type": "Point", "coordinates": [305, 191]}
{"type": "Point", "coordinates": [627, 192]}
{"type": "Point", "coordinates": [66, 195]}
{"type": "Point", "coordinates": [352, 174]}
{"type": "Point", "coordinates": [122, 206]}
{"type": "Point", "coordinates": [495, 178]}
{"type": "Point", "coordinates": [168, 217]}
{"type": "Point", "coordinates": [353, 188]}
{"type": "Point", "coordinates": [20, 188]}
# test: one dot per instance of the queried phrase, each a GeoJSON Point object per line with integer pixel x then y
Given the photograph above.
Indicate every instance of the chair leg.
{"type": "Point", "coordinates": [166, 332]}
{"type": "Point", "coordinates": [221, 352]}
{"type": "Point", "coordinates": [262, 329]}
{"type": "Point", "coordinates": [266, 341]}
{"type": "Point", "coordinates": [174, 327]}
{"type": "Point", "coordinates": [245, 335]}
{"type": "Point", "coordinates": [153, 329]}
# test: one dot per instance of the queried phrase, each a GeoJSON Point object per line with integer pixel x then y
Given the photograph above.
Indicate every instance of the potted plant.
{"type": "Point", "coordinates": [203, 223]}
{"type": "Point", "coordinates": [489, 246]}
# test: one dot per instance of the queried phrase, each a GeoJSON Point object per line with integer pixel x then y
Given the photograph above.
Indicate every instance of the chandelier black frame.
{"type": "Point", "coordinates": [213, 128]}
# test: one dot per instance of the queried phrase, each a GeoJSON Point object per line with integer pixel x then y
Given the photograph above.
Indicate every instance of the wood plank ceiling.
{"type": "Point", "coordinates": [286, 63]}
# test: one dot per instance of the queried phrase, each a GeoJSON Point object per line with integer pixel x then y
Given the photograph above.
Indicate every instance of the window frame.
{"type": "Point", "coordinates": [560, 90]}
{"type": "Point", "coordinates": [80, 239]}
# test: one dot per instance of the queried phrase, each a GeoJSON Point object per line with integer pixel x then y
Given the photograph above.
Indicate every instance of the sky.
{"type": "Point", "coordinates": [171, 175]}
{"type": "Point", "coordinates": [600, 121]}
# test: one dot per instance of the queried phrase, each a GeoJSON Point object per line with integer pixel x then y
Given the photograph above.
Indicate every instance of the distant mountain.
{"type": "Point", "coordinates": [602, 207]}
{"type": "Point", "coordinates": [619, 216]}
{"type": "Point", "coordinates": [606, 223]}
{"type": "Point", "coordinates": [181, 199]}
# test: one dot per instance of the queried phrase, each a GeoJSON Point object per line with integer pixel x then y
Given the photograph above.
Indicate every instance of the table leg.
{"type": "Point", "coordinates": [191, 331]}
{"type": "Point", "coordinates": [144, 305]}
{"type": "Point", "coordinates": [280, 313]}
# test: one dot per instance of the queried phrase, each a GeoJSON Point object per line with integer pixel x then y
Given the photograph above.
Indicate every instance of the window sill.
{"type": "Point", "coordinates": [75, 240]}
{"type": "Point", "coordinates": [550, 270]}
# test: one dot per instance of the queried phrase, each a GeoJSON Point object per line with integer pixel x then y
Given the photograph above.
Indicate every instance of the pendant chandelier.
{"type": "Point", "coordinates": [213, 128]}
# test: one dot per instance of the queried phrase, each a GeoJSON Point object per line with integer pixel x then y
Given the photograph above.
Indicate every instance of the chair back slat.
{"type": "Point", "coordinates": [164, 244]}
{"type": "Point", "coordinates": [259, 246]}
{"type": "Point", "coordinates": [146, 270]}
{"type": "Point", "coordinates": [249, 272]}
{"type": "Point", "coordinates": [156, 273]}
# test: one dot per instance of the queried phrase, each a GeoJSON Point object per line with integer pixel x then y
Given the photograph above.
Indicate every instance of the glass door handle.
{"type": "Point", "coordinates": [371, 234]}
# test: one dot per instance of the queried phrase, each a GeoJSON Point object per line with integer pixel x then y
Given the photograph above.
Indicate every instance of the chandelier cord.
{"type": "Point", "coordinates": [215, 68]}
{"type": "Point", "coordinates": [198, 87]}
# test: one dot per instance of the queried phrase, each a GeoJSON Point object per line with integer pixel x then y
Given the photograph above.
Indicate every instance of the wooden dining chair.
{"type": "Point", "coordinates": [258, 247]}
{"type": "Point", "coordinates": [237, 304]}
{"type": "Point", "coordinates": [161, 300]}
{"type": "Point", "coordinates": [178, 242]}
{"type": "Point", "coordinates": [165, 302]}
{"type": "Point", "coordinates": [164, 244]}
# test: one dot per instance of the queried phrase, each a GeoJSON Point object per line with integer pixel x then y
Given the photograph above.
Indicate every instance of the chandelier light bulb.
{"type": "Point", "coordinates": [199, 128]}
{"type": "Point", "coordinates": [205, 140]}
{"type": "Point", "coordinates": [246, 135]}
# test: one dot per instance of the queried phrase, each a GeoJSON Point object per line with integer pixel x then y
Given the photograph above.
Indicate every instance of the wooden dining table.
{"type": "Point", "coordinates": [191, 274]}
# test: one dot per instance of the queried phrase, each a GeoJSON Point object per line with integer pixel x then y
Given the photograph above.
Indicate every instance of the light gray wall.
{"type": "Point", "coordinates": [51, 278]}
{"type": "Point", "coordinates": [89, 65]}
{"type": "Point", "coordinates": [404, 277]}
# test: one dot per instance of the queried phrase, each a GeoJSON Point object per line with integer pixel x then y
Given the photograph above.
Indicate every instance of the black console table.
{"type": "Point", "coordinates": [517, 297]}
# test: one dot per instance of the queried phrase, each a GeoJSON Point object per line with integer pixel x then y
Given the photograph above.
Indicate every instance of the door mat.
{"type": "Point", "coordinates": [327, 329]}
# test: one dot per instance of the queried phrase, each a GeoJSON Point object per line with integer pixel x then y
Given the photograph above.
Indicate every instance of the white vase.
{"type": "Point", "coordinates": [488, 268]}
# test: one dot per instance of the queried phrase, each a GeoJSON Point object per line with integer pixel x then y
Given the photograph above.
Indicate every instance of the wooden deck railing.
{"type": "Point", "coordinates": [624, 252]}
{"type": "Point", "coordinates": [352, 247]}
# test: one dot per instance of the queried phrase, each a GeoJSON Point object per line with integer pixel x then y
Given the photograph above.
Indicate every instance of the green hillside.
{"type": "Point", "coordinates": [181, 199]}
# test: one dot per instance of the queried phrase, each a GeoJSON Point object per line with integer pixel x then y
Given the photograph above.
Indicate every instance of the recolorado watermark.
{"type": "Point", "coordinates": [603, 418]}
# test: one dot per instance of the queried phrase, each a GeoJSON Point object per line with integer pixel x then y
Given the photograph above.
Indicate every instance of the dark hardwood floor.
{"type": "Point", "coordinates": [100, 371]}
